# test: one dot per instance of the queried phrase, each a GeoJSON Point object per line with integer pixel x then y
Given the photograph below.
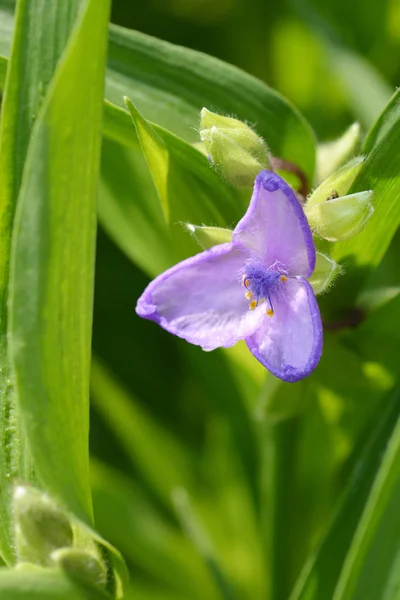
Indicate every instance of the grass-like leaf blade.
{"type": "Point", "coordinates": [35, 53]}
{"type": "Point", "coordinates": [53, 265]}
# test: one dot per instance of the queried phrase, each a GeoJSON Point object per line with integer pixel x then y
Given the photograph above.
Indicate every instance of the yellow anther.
{"type": "Point", "coordinates": [245, 281]}
{"type": "Point", "coordinates": [283, 278]}
{"type": "Point", "coordinates": [252, 304]}
{"type": "Point", "coordinates": [248, 295]}
{"type": "Point", "coordinates": [270, 312]}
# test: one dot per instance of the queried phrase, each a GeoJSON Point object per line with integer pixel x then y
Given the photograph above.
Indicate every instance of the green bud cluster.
{"type": "Point", "coordinates": [41, 527]}
{"type": "Point", "coordinates": [44, 536]}
{"type": "Point", "coordinates": [237, 152]}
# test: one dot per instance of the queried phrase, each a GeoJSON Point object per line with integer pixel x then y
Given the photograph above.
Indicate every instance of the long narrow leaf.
{"type": "Point", "coordinates": [53, 265]}
{"type": "Point", "coordinates": [371, 566]}
{"type": "Point", "coordinates": [35, 54]}
{"type": "Point", "coordinates": [320, 574]}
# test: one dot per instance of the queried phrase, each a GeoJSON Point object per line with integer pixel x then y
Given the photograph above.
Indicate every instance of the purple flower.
{"type": "Point", "coordinates": [252, 288]}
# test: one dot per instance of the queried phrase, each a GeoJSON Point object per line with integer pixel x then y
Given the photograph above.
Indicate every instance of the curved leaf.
{"type": "Point", "coordinates": [170, 85]}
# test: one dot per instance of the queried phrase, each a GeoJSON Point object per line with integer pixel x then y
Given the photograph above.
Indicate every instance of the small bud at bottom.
{"type": "Point", "coordinates": [80, 565]}
{"type": "Point", "coordinates": [41, 526]}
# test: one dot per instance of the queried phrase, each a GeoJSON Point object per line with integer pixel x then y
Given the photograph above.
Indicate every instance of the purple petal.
{"type": "Point", "coordinates": [202, 299]}
{"type": "Point", "coordinates": [289, 343]}
{"type": "Point", "coordinates": [276, 227]}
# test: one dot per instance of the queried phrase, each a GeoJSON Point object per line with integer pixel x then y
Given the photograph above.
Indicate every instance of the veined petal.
{"type": "Point", "coordinates": [202, 300]}
{"type": "Point", "coordinates": [276, 228]}
{"type": "Point", "coordinates": [289, 344]}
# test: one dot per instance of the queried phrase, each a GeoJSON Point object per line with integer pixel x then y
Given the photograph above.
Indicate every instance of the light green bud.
{"type": "Point", "coordinates": [338, 219]}
{"type": "Point", "coordinates": [234, 148]}
{"type": "Point", "coordinates": [325, 272]}
{"type": "Point", "coordinates": [333, 213]}
{"type": "Point", "coordinates": [80, 565]}
{"type": "Point", "coordinates": [330, 155]}
{"type": "Point", "coordinates": [337, 184]}
{"type": "Point", "coordinates": [207, 237]}
{"type": "Point", "coordinates": [41, 527]}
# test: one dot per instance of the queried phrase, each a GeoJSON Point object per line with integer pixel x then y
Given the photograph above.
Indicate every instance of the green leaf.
{"type": "Point", "coordinates": [186, 185]}
{"type": "Point", "coordinates": [6, 29]}
{"type": "Point", "coordinates": [37, 46]}
{"type": "Point", "coordinates": [189, 190]}
{"type": "Point", "coordinates": [129, 209]}
{"type": "Point", "coordinates": [381, 174]}
{"type": "Point", "coordinates": [53, 265]}
{"type": "Point", "coordinates": [387, 119]}
{"type": "Point", "coordinates": [320, 574]}
{"type": "Point", "coordinates": [156, 154]}
{"type": "Point", "coordinates": [170, 85]}
{"type": "Point", "coordinates": [34, 583]}
{"type": "Point", "coordinates": [3, 71]}
{"type": "Point", "coordinates": [371, 565]}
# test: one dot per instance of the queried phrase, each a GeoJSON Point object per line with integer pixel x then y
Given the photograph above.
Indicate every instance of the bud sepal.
{"type": "Point", "coordinates": [325, 272]}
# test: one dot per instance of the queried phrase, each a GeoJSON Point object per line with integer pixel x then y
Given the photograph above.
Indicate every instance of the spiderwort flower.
{"type": "Point", "coordinates": [253, 288]}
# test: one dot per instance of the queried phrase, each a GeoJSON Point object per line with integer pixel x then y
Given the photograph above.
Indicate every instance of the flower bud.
{"type": "Point", "coordinates": [41, 527]}
{"type": "Point", "coordinates": [331, 212]}
{"type": "Point", "coordinates": [337, 184]}
{"type": "Point", "coordinates": [80, 565]}
{"type": "Point", "coordinates": [331, 155]}
{"type": "Point", "coordinates": [326, 270]}
{"type": "Point", "coordinates": [340, 218]}
{"type": "Point", "coordinates": [207, 237]}
{"type": "Point", "coordinates": [234, 148]}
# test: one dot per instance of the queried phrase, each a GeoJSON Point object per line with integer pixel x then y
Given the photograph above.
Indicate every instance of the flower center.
{"type": "Point", "coordinates": [262, 284]}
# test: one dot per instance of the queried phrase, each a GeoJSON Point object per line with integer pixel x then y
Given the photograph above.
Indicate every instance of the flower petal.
{"type": "Point", "coordinates": [276, 227]}
{"type": "Point", "coordinates": [202, 300]}
{"type": "Point", "coordinates": [289, 343]}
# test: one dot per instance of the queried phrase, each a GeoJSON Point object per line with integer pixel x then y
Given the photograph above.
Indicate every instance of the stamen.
{"type": "Point", "coordinates": [248, 295]}
{"type": "Point", "coordinates": [252, 304]}
{"type": "Point", "coordinates": [283, 278]}
{"type": "Point", "coordinates": [245, 281]}
{"type": "Point", "coordinates": [270, 312]}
